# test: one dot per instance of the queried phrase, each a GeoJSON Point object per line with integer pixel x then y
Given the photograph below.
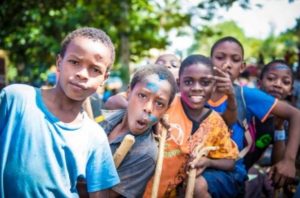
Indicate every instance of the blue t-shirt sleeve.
{"type": "Point", "coordinates": [3, 110]}
{"type": "Point", "coordinates": [101, 172]}
{"type": "Point", "coordinates": [135, 176]}
{"type": "Point", "coordinates": [258, 103]}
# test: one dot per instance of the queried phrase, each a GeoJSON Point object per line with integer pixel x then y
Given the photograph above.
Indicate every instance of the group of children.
{"type": "Point", "coordinates": [48, 143]}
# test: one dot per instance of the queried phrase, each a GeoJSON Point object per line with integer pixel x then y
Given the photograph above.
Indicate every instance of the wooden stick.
{"type": "Point", "coordinates": [88, 107]}
{"type": "Point", "coordinates": [159, 163]}
{"type": "Point", "coordinates": [123, 149]}
{"type": "Point", "coordinates": [200, 152]}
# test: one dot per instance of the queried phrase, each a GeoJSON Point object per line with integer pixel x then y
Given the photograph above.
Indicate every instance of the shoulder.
{"type": "Point", "coordinates": [146, 145]}
{"type": "Point", "coordinates": [94, 130]}
{"type": "Point", "coordinates": [175, 105]}
{"type": "Point", "coordinates": [251, 91]}
{"type": "Point", "coordinates": [19, 94]}
{"type": "Point", "coordinates": [255, 95]}
{"type": "Point", "coordinates": [19, 90]}
{"type": "Point", "coordinates": [215, 117]}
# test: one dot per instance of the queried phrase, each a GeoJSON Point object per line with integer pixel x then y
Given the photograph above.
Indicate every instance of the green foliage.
{"type": "Point", "coordinates": [31, 31]}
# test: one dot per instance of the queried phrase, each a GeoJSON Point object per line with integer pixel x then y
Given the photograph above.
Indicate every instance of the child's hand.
{"type": "Point", "coordinates": [163, 123]}
{"type": "Point", "coordinates": [200, 165]}
{"type": "Point", "coordinates": [283, 172]}
{"type": "Point", "coordinates": [223, 82]}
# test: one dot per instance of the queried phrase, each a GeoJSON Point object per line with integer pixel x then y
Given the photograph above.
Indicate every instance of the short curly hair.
{"type": "Point", "coordinates": [91, 33]}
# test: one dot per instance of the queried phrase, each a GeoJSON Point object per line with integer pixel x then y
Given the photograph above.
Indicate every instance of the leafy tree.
{"type": "Point", "coordinates": [30, 31]}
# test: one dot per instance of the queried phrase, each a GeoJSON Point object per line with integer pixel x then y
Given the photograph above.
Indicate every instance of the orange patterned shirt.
{"type": "Point", "coordinates": [181, 143]}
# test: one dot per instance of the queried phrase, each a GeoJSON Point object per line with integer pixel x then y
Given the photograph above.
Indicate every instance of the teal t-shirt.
{"type": "Point", "coordinates": [41, 156]}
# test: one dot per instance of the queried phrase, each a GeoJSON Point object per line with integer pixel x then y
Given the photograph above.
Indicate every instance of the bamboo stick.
{"type": "Point", "coordinates": [159, 164]}
{"type": "Point", "coordinates": [123, 149]}
{"type": "Point", "coordinates": [200, 151]}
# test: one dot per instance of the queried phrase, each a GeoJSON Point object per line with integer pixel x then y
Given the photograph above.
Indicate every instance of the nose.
{"type": "Point", "coordinates": [197, 86]}
{"type": "Point", "coordinates": [148, 107]}
{"type": "Point", "coordinates": [82, 73]}
{"type": "Point", "coordinates": [278, 83]}
{"type": "Point", "coordinates": [227, 64]}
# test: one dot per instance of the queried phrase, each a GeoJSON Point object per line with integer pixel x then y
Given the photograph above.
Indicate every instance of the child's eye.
{"type": "Point", "coordinates": [188, 82]}
{"type": "Point", "coordinates": [269, 78]}
{"type": "Point", "coordinates": [206, 82]}
{"type": "Point", "coordinates": [219, 57]}
{"type": "Point", "coordinates": [74, 62]}
{"type": "Point", "coordinates": [141, 95]}
{"type": "Point", "coordinates": [174, 64]}
{"type": "Point", "coordinates": [97, 70]}
{"type": "Point", "coordinates": [160, 105]}
{"type": "Point", "coordinates": [287, 82]}
{"type": "Point", "coordinates": [236, 59]}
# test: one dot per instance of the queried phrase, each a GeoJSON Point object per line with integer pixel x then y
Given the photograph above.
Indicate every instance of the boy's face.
{"type": "Point", "coordinates": [83, 68]}
{"type": "Point", "coordinates": [196, 85]}
{"type": "Point", "coordinates": [171, 62]}
{"type": "Point", "coordinates": [228, 56]}
{"type": "Point", "coordinates": [277, 81]}
{"type": "Point", "coordinates": [147, 102]}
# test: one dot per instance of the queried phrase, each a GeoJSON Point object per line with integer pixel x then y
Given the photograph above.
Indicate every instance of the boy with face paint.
{"type": "Point", "coordinates": [276, 79]}
{"type": "Point", "coordinates": [47, 141]}
{"type": "Point", "coordinates": [151, 91]}
{"type": "Point", "coordinates": [169, 61]}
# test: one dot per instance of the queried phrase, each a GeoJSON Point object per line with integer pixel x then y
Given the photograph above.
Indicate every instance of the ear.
{"type": "Point", "coordinates": [178, 82]}
{"type": "Point", "coordinates": [106, 75]}
{"type": "Point", "coordinates": [291, 91]}
{"type": "Point", "coordinates": [58, 62]}
{"type": "Point", "coordinates": [258, 83]}
{"type": "Point", "coordinates": [128, 92]}
{"type": "Point", "coordinates": [243, 67]}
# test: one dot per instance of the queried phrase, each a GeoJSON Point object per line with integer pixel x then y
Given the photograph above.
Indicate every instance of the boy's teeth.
{"type": "Point", "coordinates": [196, 98]}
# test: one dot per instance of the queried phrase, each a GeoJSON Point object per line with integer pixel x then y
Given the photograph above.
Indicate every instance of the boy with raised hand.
{"type": "Point", "coordinates": [151, 91]}
{"type": "Point", "coordinates": [46, 141]}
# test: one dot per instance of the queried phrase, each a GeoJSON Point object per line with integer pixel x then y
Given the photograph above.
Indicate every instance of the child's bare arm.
{"type": "Point", "coordinates": [279, 141]}
{"type": "Point", "coordinates": [285, 169]}
{"type": "Point", "coordinates": [99, 194]}
{"type": "Point", "coordinates": [278, 151]}
{"type": "Point", "coordinates": [116, 102]}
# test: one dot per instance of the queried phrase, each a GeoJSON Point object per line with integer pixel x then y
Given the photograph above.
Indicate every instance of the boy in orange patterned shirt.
{"type": "Point", "coordinates": [193, 124]}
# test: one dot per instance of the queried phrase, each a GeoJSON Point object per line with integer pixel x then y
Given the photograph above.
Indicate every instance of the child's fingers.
{"type": "Point", "coordinates": [220, 79]}
{"type": "Point", "coordinates": [219, 72]}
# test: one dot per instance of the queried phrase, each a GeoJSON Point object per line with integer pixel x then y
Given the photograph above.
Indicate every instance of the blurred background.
{"type": "Point", "coordinates": [31, 32]}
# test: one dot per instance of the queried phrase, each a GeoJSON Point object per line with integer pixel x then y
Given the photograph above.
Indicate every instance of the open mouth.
{"type": "Point", "coordinates": [141, 124]}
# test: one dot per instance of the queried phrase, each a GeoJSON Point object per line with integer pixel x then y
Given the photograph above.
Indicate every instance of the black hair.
{"type": "Point", "coordinates": [163, 73]}
{"type": "Point", "coordinates": [268, 66]}
{"type": "Point", "coordinates": [195, 59]}
{"type": "Point", "coordinates": [90, 33]}
{"type": "Point", "coordinates": [225, 39]}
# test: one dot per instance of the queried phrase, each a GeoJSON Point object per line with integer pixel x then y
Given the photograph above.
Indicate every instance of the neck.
{"type": "Point", "coordinates": [61, 106]}
{"type": "Point", "coordinates": [119, 129]}
{"type": "Point", "coordinates": [194, 114]}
